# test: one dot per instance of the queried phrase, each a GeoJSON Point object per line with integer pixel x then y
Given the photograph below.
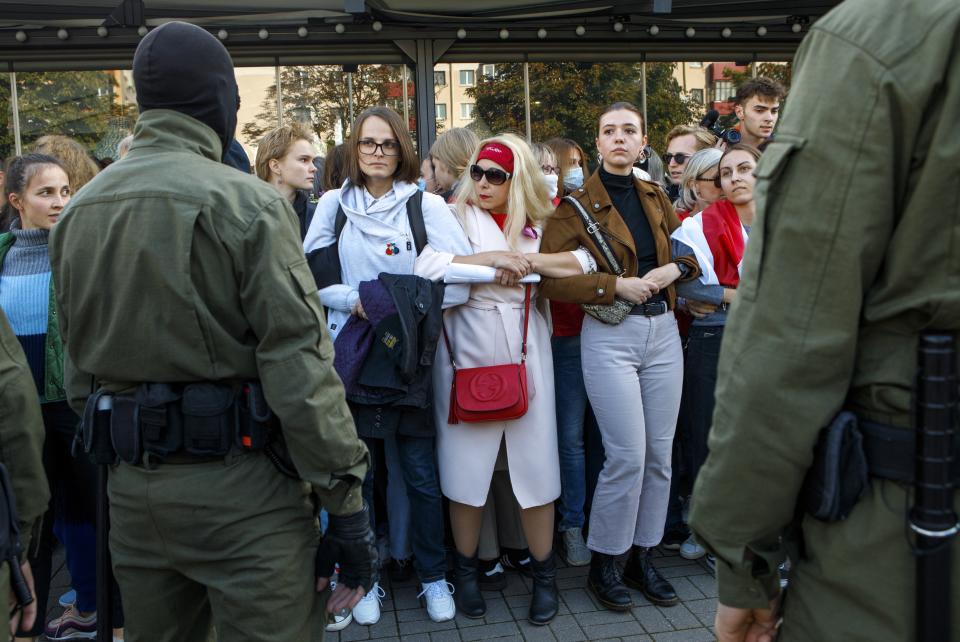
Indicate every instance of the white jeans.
{"type": "Point", "coordinates": [633, 373]}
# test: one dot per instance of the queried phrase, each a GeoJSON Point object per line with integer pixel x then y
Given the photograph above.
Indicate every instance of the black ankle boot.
{"type": "Point", "coordinates": [641, 574]}
{"type": "Point", "coordinates": [605, 582]}
{"type": "Point", "coordinates": [467, 596]}
{"type": "Point", "coordinates": [545, 601]}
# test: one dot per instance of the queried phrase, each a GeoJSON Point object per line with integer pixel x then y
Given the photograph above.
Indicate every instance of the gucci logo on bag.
{"type": "Point", "coordinates": [487, 386]}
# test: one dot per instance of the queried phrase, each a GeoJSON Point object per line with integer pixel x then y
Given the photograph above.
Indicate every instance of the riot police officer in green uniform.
{"type": "Point", "coordinates": [854, 255]}
{"type": "Point", "coordinates": [21, 451]}
{"type": "Point", "coordinates": [190, 314]}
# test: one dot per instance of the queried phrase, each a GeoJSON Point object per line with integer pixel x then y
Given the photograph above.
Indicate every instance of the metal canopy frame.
{"type": "Point", "coordinates": [103, 34]}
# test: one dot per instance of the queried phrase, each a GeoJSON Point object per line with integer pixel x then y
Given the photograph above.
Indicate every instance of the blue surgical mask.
{"type": "Point", "coordinates": [422, 184]}
{"type": "Point", "coordinates": [573, 178]}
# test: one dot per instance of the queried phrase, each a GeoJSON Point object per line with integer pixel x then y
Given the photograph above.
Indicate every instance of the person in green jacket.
{"type": "Point", "coordinates": [21, 449]}
{"type": "Point", "coordinates": [173, 268]}
{"type": "Point", "coordinates": [852, 256]}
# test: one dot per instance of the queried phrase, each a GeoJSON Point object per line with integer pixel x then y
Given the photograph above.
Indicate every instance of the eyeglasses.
{"type": "Point", "coordinates": [494, 176]}
{"type": "Point", "coordinates": [549, 169]}
{"type": "Point", "coordinates": [715, 180]}
{"type": "Point", "coordinates": [389, 147]}
{"type": "Point", "coordinates": [680, 158]}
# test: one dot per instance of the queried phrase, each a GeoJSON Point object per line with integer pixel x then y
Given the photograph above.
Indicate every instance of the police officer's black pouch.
{"type": "Point", "coordinates": [209, 419]}
{"type": "Point", "coordinates": [839, 474]}
{"type": "Point", "coordinates": [161, 427]}
{"type": "Point", "coordinates": [124, 429]}
{"type": "Point", "coordinates": [95, 430]}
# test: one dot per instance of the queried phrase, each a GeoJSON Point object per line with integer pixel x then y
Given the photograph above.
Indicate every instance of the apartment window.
{"type": "Point", "coordinates": [468, 77]}
{"type": "Point", "coordinates": [466, 109]}
{"type": "Point", "coordinates": [440, 78]}
{"type": "Point", "coordinates": [696, 65]}
{"type": "Point", "coordinates": [696, 95]}
{"type": "Point", "coordinates": [441, 111]}
{"type": "Point", "coordinates": [490, 71]}
{"type": "Point", "coordinates": [722, 90]}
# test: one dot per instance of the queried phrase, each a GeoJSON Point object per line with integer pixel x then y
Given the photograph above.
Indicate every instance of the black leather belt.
{"type": "Point", "coordinates": [890, 452]}
{"type": "Point", "coordinates": [650, 309]}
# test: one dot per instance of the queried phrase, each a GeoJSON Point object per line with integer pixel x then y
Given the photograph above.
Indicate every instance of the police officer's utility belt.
{"type": "Point", "coordinates": [177, 423]}
{"type": "Point", "coordinates": [851, 451]}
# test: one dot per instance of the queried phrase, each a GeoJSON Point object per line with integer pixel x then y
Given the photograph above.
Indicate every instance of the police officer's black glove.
{"type": "Point", "coordinates": [349, 541]}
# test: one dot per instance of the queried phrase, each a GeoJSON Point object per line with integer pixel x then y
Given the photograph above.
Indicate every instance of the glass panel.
{"type": "Point", "coordinates": [329, 99]}
{"type": "Point", "coordinates": [258, 106]}
{"type": "Point", "coordinates": [97, 108]}
{"type": "Point", "coordinates": [458, 101]}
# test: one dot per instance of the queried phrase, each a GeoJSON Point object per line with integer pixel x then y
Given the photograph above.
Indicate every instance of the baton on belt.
{"type": "Point", "coordinates": [932, 518]}
{"type": "Point", "coordinates": [101, 418]}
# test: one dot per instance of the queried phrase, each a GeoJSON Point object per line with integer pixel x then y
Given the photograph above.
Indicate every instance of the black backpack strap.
{"type": "Point", "coordinates": [415, 216]}
{"type": "Point", "coordinates": [339, 222]}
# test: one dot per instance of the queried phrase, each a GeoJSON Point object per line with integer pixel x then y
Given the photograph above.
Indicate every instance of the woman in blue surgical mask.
{"type": "Point", "coordinates": [571, 161]}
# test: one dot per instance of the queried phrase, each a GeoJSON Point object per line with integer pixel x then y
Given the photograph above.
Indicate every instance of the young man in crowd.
{"type": "Point", "coordinates": [758, 108]}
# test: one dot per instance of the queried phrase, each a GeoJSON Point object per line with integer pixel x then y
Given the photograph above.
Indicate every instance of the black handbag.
{"type": "Point", "coordinates": [613, 313]}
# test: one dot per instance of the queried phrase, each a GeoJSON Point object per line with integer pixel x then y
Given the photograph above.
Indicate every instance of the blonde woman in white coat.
{"type": "Point", "coordinates": [502, 208]}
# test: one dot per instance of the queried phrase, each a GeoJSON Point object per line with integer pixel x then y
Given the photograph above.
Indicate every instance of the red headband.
{"type": "Point", "coordinates": [499, 154]}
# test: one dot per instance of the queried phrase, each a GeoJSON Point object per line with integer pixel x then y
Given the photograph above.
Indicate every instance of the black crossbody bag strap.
{"type": "Point", "coordinates": [593, 229]}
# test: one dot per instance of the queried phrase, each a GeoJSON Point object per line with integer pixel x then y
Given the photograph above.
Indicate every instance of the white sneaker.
{"type": "Point", "coordinates": [367, 611]}
{"type": "Point", "coordinates": [340, 621]}
{"type": "Point", "coordinates": [691, 550]}
{"type": "Point", "coordinates": [439, 597]}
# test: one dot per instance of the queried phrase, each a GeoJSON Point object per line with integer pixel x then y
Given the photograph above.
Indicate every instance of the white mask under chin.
{"type": "Point", "coordinates": [551, 181]}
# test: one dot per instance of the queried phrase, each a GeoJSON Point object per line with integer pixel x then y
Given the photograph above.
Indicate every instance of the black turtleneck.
{"type": "Point", "coordinates": [623, 194]}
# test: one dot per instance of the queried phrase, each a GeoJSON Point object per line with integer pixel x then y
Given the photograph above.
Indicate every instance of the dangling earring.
{"type": "Point", "coordinates": [599, 157]}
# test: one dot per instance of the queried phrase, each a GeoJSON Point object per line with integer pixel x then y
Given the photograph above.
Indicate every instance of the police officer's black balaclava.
{"type": "Point", "coordinates": [182, 67]}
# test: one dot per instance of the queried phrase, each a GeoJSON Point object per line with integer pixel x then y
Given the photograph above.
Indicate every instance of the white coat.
{"type": "Point", "coordinates": [485, 331]}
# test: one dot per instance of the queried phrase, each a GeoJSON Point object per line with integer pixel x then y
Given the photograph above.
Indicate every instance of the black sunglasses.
{"type": "Point", "coordinates": [680, 157]}
{"type": "Point", "coordinates": [494, 176]}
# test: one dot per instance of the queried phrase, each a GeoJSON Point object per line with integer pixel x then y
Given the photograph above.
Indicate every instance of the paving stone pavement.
{"type": "Point", "coordinates": [580, 618]}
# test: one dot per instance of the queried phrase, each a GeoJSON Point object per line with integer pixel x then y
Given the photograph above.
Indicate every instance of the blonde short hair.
{"type": "Point", "coordinates": [701, 134]}
{"type": "Point", "coordinates": [527, 198]}
{"type": "Point", "coordinates": [697, 165]}
{"type": "Point", "coordinates": [454, 148]}
{"type": "Point", "coordinates": [72, 155]}
{"type": "Point", "coordinates": [277, 142]}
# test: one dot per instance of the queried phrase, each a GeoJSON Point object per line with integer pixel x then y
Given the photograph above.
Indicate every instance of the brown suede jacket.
{"type": "Point", "coordinates": [565, 232]}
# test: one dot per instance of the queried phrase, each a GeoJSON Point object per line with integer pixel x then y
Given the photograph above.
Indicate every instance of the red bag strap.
{"type": "Point", "coordinates": [526, 324]}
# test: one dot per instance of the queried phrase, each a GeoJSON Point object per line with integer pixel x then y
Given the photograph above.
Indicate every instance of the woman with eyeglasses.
{"type": "Point", "coordinates": [377, 236]}
{"type": "Point", "coordinates": [632, 370]}
{"type": "Point", "coordinates": [699, 183]}
{"type": "Point", "coordinates": [502, 209]}
{"type": "Point", "coordinates": [717, 238]}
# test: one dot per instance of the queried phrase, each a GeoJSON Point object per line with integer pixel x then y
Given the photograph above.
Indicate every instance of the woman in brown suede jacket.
{"type": "Point", "coordinates": [633, 371]}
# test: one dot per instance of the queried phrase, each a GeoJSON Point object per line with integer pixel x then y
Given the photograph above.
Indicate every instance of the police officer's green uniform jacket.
{"type": "Point", "coordinates": [173, 268]}
{"type": "Point", "coordinates": [855, 252]}
{"type": "Point", "coordinates": [21, 443]}
{"type": "Point", "coordinates": [53, 388]}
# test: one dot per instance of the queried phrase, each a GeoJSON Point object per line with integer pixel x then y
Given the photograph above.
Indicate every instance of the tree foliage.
{"type": "Point", "coordinates": [79, 104]}
{"type": "Point", "coordinates": [325, 90]}
{"type": "Point", "coordinates": [567, 98]}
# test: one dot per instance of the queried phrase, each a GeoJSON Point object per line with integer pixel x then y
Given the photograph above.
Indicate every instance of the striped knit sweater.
{"type": "Point", "coordinates": [25, 294]}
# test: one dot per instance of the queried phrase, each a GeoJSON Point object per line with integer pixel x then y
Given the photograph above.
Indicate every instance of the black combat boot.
{"type": "Point", "coordinates": [467, 596]}
{"type": "Point", "coordinates": [545, 601]}
{"type": "Point", "coordinates": [605, 582]}
{"type": "Point", "coordinates": [641, 574]}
